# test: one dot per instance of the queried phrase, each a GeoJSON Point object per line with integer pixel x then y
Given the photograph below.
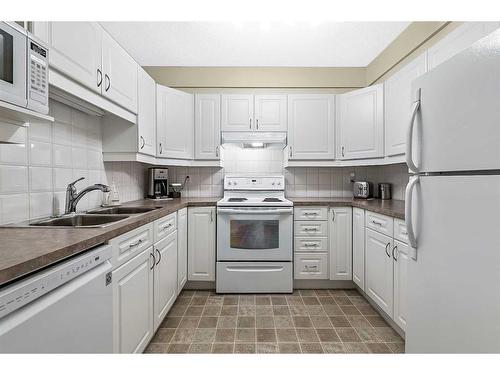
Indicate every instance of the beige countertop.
{"type": "Point", "coordinates": [27, 249]}
{"type": "Point", "coordinates": [392, 207]}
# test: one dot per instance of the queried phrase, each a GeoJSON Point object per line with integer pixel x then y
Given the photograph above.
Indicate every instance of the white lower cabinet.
{"type": "Point", "coordinates": [201, 243]}
{"type": "Point", "coordinates": [401, 260]}
{"type": "Point", "coordinates": [340, 238]}
{"type": "Point", "coordinates": [133, 304]}
{"type": "Point", "coordinates": [165, 277]}
{"type": "Point", "coordinates": [310, 266]}
{"type": "Point", "coordinates": [182, 249]}
{"type": "Point", "coordinates": [379, 269]}
{"type": "Point", "coordinates": [358, 247]}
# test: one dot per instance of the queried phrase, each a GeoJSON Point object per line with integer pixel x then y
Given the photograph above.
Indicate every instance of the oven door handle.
{"type": "Point", "coordinates": [254, 268]}
{"type": "Point", "coordinates": [259, 212]}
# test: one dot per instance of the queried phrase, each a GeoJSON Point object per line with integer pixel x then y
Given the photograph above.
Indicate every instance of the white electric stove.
{"type": "Point", "coordinates": [254, 236]}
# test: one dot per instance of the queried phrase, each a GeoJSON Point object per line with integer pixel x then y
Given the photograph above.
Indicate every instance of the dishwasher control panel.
{"type": "Point", "coordinates": [14, 296]}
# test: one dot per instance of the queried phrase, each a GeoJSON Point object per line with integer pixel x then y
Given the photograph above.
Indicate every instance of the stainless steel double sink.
{"type": "Point", "coordinates": [98, 218]}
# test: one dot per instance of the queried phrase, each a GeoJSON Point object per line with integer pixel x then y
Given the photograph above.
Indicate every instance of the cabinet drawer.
{"type": "Point", "coordinates": [303, 244]}
{"type": "Point", "coordinates": [311, 228]}
{"type": "Point", "coordinates": [128, 245]}
{"type": "Point", "coordinates": [400, 232]}
{"type": "Point", "coordinates": [310, 213]}
{"type": "Point", "coordinates": [310, 266]}
{"type": "Point", "coordinates": [380, 223]}
{"type": "Point", "coordinates": [164, 226]}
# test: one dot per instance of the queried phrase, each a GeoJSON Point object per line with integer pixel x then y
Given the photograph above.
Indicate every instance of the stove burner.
{"type": "Point", "coordinates": [272, 200]}
{"type": "Point", "coordinates": [236, 199]}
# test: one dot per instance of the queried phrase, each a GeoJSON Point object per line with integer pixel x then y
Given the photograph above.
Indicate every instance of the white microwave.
{"type": "Point", "coordinates": [24, 69]}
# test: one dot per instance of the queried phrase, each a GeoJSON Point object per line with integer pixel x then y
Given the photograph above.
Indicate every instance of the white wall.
{"type": "Point", "coordinates": [34, 175]}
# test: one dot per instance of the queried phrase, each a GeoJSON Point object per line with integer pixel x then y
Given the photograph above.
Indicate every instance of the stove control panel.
{"type": "Point", "coordinates": [254, 183]}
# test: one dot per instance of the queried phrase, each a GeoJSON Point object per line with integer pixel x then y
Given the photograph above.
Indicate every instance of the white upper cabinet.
{"type": "Point", "coordinates": [146, 113]}
{"type": "Point", "coordinates": [120, 74]}
{"type": "Point", "coordinates": [397, 101]}
{"type": "Point", "coordinates": [174, 123]}
{"type": "Point", "coordinates": [311, 121]}
{"type": "Point", "coordinates": [360, 123]}
{"type": "Point", "coordinates": [75, 50]}
{"type": "Point", "coordinates": [358, 247]}
{"type": "Point", "coordinates": [237, 112]}
{"type": "Point", "coordinates": [340, 237]}
{"type": "Point", "coordinates": [458, 40]}
{"type": "Point", "coordinates": [270, 113]}
{"type": "Point", "coordinates": [207, 126]}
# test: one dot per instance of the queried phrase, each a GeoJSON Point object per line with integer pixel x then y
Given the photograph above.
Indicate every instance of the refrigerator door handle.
{"type": "Point", "coordinates": [408, 214]}
{"type": "Point", "coordinates": [409, 135]}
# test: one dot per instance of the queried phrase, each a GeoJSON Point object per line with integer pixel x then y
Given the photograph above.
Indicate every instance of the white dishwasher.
{"type": "Point", "coordinates": [67, 308]}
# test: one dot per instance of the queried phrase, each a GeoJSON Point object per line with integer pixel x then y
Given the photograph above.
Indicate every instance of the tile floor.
{"type": "Point", "coordinates": [307, 321]}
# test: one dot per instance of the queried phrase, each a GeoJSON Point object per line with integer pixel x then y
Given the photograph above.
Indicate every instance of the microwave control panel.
{"type": "Point", "coordinates": [38, 77]}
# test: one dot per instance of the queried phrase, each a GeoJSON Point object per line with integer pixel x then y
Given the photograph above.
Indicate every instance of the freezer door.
{"type": "Point", "coordinates": [453, 300]}
{"type": "Point", "coordinates": [457, 127]}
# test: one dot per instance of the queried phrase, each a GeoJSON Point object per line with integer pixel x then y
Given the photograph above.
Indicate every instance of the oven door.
{"type": "Point", "coordinates": [254, 233]}
{"type": "Point", "coordinates": [12, 65]}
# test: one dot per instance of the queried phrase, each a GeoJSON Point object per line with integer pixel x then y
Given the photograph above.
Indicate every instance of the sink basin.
{"type": "Point", "coordinates": [122, 210]}
{"type": "Point", "coordinates": [82, 220]}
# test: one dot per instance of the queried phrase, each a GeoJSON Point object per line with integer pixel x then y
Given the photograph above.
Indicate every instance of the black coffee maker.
{"type": "Point", "coordinates": [157, 183]}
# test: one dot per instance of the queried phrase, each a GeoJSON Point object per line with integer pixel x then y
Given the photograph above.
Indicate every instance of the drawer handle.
{"type": "Point", "coordinates": [376, 223]}
{"type": "Point", "coordinates": [165, 227]}
{"type": "Point", "coordinates": [310, 268]}
{"type": "Point", "coordinates": [310, 229]}
{"type": "Point", "coordinates": [310, 245]}
{"type": "Point", "coordinates": [405, 233]}
{"type": "Point", "coordinates": [310, 213]}
{"type": "Point", "coordinates": [136, 243]}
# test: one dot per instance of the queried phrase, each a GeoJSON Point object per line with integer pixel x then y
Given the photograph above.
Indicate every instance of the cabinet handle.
{"type": "Point", "coordinates": [333, 214]}
{"type": "Point", "coordinates": [106, 78]}
{"type": "Point", "coordinates": [166, 227]}
{"type": "Point", "coordinates": [159, 257]}
{"type": "Point", "coordinates": [291, 151]}
{"type": "Point", "coordinates": [310, 229]}
{"type": "Point", "coordinates": [394, 250]}
{"type": "Point", "coordinates": [376, 223]}
{"type": "Point", "coordinates": [343, 151]}
{"type": "Point", "coordinates": [387, 248]}
{"type": "Point", "coordinates": [161, 149]}
{"type": "Point", "coordinates": [211, 216]}
{"type": "Point", "coordinates": [137, 243]}
{"type": "Point", "coordinates": [310, 245]}
{"type": "Point", "coordinates": [99, 77]}
{"type": "Point", "coordinates": [310, 213]}
{"type": "Point", "coordinates": [154, 260]}
{"type": "Point", "coordinates": [143, 142]}
{"type": "Point", "coordinates": [257, 123]}
{"type": "Point", "coordinates": [250, 123]}
{"type": "Point", "coordinates": [308, 268]}
{"type": "Point", "coordinates": [217, 151]}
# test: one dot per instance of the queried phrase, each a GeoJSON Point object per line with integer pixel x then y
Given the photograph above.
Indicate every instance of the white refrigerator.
{"type": "Point", "coordinates": [453, 205]}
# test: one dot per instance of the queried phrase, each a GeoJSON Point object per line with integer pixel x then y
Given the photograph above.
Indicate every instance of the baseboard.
{"type": "Point", "coordinates": [200, 285]}
{"type": "Point", "coordinates": [382, 313]}
{"type": "Point", "coordinates": [323, 284]}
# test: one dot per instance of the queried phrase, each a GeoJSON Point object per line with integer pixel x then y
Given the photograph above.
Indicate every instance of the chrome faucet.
{"type": "Point", "coordinates": [72, 198]}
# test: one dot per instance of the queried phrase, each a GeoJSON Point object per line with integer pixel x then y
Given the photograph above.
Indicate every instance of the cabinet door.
{"type": "Point", "coordinates": [75, 50]}
{"type": "Point", "coordinates": [133, 304]}
{"type": "Point", "coordinates": [458, 40]}
{"type": "Point", "coordinates": [340, 238]}
{"type": "Point", "coordinates": [165, 277]}
{"type": "Point", "coordinates": [146, 113]}
{"type": "Point", "coordinates": [379, 270]}
{"type": "Point", "coordinates": [207, 126]}
{"type": "Point", "coordinates": [120, 74]}
{"type": "Point", "coordinates": [270, 113]}
{"type": "Point", "coordinates": [401, 260]}
{"type": "Point", "coordinates": [237, 112]}
{"type": "Point", "coordinates": [361, 123]}
{"type": "Point", "coordinates": [397, 101]}
{"type": "Point", "coordinates": [182, 246]}
{"type": "Point", "coordinates": [311, 121]}
{"type": "Point", "coordinates": [174, 123]}
{"type": "Point", "coordinates": [358, 247]}
{"type": "Point", "coordinates": [201, 243]}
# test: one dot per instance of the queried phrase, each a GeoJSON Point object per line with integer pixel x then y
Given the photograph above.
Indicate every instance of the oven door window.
{"type": "Point", "coordinates": [254, 234]}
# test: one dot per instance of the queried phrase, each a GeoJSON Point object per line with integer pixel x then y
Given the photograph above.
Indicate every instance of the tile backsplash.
{"type": "Point", "coordinates": [34, 175]}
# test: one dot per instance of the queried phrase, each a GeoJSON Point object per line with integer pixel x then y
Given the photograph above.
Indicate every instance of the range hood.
{"type": "Point", "coordinates": [255, 139]}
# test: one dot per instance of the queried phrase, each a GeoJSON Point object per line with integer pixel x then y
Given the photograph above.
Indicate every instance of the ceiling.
{"type": "Point", "coordinates": [302, 44]}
